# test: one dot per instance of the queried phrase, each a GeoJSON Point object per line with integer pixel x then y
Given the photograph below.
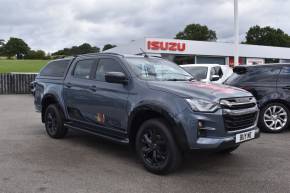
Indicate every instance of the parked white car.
{"type": "Point", "coordinates": [209, 72]}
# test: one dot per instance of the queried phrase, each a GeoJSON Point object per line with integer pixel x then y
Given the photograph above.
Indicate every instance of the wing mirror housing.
{"type": "Point", "coordinates": [116, 77]}
{"type": "Point", "coordinates": [215, 78]}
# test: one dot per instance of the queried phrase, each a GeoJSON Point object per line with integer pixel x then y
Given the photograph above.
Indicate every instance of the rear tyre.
{"type": "Point", "coordinates": [157, 148]}
{"type": "Point", "coordinates": [229, 150]}
{"type": "Point", "coordinates": [54, 122]}
{"type": "Point", "coordinates": [274, 118]}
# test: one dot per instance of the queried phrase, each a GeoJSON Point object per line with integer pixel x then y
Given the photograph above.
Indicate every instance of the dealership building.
{"type": "Point", "coordinates": [202, 52]}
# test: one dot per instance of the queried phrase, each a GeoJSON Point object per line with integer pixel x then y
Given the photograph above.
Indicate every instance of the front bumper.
{"type": "Point", "coordinates": [215, 136]}
{"type": "Point", "coordinates": [211, 143]}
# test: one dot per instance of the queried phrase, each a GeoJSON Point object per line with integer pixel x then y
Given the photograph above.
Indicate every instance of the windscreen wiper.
{"type": "Point", "coordinates": [176, 79]}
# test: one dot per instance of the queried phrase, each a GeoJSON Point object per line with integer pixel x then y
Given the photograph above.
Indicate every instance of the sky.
{"type": "Point", "coordinates": [51, 25]}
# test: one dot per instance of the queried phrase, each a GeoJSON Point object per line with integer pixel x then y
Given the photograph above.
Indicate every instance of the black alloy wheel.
{"type": "Point", "coordinates": [157, 148]}
{"type": "Point", "coordinates": [154, 147]}
{"type": "Point", "coordinates": [54, 122]}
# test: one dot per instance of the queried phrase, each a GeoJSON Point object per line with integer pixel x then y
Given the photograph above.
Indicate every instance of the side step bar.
{"type": "Point", "coordinates": [118, 140]}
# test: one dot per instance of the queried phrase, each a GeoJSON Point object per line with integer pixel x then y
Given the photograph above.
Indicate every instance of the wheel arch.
{"type": "Point", "coordinates": [275, 101]}
{"type": "Point", "coordinates": [146, 112]}
{"type": "Point", "coordinates": [47, 100]}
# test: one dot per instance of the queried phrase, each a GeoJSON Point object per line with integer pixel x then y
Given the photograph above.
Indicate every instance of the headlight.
{"type": "Point", "coordinates": [201, 105]}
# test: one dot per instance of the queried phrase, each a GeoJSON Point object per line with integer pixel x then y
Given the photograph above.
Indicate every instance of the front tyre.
{"type": "Point", "coordinates": [54, 122]}
{"type": "Point", "coordinates": [274, 118]}
{"type": "Point", "coordinates": [157, 148]}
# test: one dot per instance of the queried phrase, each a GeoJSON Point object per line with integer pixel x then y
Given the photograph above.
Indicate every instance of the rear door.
{"type": "Point", "coordinates": [283, 84]}
{"type": "Point", "coordinates": [78, 90]}
{"type": "Point", "coordinates": [261, 81]}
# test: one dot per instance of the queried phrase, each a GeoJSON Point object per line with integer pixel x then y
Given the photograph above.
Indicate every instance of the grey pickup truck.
{"type": "Point", "coordinates": [147, 102]}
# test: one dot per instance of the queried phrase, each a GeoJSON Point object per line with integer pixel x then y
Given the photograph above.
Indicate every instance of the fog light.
{"type": "Point", "coordinates": [201, 132]}
{"type": "Point", "coordinates": [200, 124]}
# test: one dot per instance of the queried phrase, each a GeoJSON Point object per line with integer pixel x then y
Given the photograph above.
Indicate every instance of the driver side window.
{"type": "Point", "coordinates": [216, 71]}
{"type": "Point", "coordinates": [107, 65]}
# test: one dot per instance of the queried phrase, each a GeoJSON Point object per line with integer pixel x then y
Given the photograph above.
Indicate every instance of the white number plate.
{"type": "Point", "coordinates": [245, 136]}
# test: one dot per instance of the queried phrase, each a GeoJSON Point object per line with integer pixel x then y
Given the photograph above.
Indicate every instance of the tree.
{"type": "Point", "coordinates": [39, 54]}
{"type": "Point", "coordinates": [15, 46]}
{"type": "Point", "coordinates": [87, 48]}
{"type": "Point", "coordinates": [267, 36]}
{"type": "Point", "coordinates": [197, 32]}
{"type": "Point", "coordinates": [75, 50]}
{"type": "Point", "coordinates": [2, 43]}
{"type": "Point", "coordinates": [108, 46]}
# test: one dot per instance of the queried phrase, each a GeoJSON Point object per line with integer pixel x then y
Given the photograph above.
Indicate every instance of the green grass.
{"type": "Point", "coordinates": [21, 65]}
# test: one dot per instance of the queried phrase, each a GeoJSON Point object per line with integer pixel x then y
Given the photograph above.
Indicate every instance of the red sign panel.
{"type": "Point", "coordinates": [166, 46]}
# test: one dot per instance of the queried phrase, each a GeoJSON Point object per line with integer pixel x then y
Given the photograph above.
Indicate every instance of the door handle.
{"type": "Point", "coordinates": [68, 85]}
{"type": "Point", "coordinates": [286, 87]}
{"type": "Point", "coordinates": [93, 88]}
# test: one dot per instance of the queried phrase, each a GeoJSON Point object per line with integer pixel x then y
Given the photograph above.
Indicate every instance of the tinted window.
{"type": "Point", "coordinates": [198, 73]}
{"type": "Point", "coordinates": [260, 74]}
{"type": "Point", "coordinates": [107, 65]}
{"type": "Point", "coordinates": [55, 68]}
{"type": "Point", "coordinates": [285, 74]}
{"type": "Point", "coordinates": [83, 69]}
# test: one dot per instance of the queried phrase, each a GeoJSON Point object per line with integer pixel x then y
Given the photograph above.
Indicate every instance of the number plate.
{"type": "Point", "coordinates": [245, 136]}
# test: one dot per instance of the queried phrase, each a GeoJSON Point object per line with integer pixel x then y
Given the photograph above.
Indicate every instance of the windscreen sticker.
{"type": "Point", "coordinates": [214, 87]}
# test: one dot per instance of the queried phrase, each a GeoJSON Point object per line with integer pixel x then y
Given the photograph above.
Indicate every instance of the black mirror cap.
{"type": "Point", "coordinates": [116, 77]}
{"type": "Point", "coordinates": [240, 69]}
{"type": "Point", "coordinates": [215, 78]}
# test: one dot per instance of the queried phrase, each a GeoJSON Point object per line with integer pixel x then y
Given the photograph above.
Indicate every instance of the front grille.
{"type": "Point", "coordinates": [238, 122]}
{"type": "Point", "coordinates": [240, 106]}
{"type": "Point", "coordinates": [238, 103]}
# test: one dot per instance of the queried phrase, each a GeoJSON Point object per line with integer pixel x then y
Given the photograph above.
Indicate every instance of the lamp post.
{"type": "Point", "coordinates": [236, 45]}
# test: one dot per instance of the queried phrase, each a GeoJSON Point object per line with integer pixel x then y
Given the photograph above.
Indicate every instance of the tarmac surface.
{"type": "Point", "coordinates": [31, 162]}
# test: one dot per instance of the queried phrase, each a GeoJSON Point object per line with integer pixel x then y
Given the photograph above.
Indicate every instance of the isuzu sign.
{"type": "Point", "coordinates": [165, 46]}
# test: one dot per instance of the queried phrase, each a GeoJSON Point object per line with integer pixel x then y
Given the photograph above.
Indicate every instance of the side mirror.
{"type": "Point", "coordinates": [214, 78]}
{"type": "Point", "coordinates": [116, 77]}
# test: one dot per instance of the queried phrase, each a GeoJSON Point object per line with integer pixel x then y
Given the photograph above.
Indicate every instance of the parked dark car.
{"type": "Point", "coordinates": [32, 87]}
{"type": "Point", "coordinates": [147, 102]}
{"type": "Point", "coordinates": [270, 84]}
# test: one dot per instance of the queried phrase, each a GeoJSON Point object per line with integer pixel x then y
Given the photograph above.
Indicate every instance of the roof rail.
{"type": "Point", "coordinates": [148, 55]}
{"type": "Point", "coordinates": [113, 53]}
{"type": "Point", "coordinates": [98, 53]}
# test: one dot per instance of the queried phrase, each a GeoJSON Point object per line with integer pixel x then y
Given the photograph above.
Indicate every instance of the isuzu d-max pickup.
{"type": "Point", "coordinates": [147, 102]}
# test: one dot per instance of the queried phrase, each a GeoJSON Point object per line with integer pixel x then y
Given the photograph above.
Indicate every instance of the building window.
{"type": "Point", "coordinates": [185, 59]}
{"type": "Point", "coordinates": [210, 60]}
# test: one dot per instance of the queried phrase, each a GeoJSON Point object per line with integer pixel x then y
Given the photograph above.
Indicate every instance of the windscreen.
{"type": "Point", "coordinates": [197, 72]}
{"type": "Point", "coordinates": [157, 69]}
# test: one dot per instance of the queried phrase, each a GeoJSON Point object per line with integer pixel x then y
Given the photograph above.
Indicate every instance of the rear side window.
{"type": "Point", "coordinates": [83, 69]}
{"type": "Point", "coordinates": [256, 75]}
{"type": "Point", "coordinates": [285, 74]}
{"type": "Point", "coordinates": [262, 74]}
{"type": "Point", "coordinates": [107, 65]}
{"type": "Point", "coordinates": [55, 68]}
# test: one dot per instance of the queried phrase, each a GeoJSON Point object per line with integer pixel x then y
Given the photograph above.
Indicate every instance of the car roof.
{"type": "Point", "coordinates": [199, 65]}
{"type": "Point", "coordinates": [244, 68]}
{"type": "Point", "coordinates": [263, 65]}
{"type": "Point", "coordinates": [120, 55]}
